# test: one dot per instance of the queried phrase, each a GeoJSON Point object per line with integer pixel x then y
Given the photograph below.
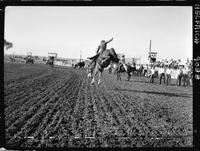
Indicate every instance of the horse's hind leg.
{"type": "Point", "coordinates": [100, 75]}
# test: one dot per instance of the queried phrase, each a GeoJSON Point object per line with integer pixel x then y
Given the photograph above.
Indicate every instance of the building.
{"type": "Point", "coordinates": [66, 61]}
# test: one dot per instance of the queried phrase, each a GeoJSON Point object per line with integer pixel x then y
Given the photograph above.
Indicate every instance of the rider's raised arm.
{"type": "Point", "coordinates": [97, 51]}
{"type": "Point", "coordinates": [109, 40]}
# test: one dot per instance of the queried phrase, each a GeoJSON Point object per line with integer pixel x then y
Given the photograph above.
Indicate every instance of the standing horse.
{"type": "Point", "coordinates": [101, 61]}
{"type": "Point", "coordinates": [128, 70]}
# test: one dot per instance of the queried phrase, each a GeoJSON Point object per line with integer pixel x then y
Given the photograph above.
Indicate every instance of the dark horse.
{"type": "Point", "coordinates": [101, 61]}
{"type": "Point", "coordinates": [29, 60]}
{"type": "Point", "coordinates": [129, 69]}
{"type": "Point", "coordinates": [80, 64]}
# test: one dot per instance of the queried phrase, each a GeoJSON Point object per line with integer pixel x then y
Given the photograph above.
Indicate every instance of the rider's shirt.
{"type": "Point", "coordinates": [101, 47]}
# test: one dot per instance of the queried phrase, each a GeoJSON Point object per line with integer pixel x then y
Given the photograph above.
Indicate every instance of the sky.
{"type": "Point", "coordinates": [71, 31]}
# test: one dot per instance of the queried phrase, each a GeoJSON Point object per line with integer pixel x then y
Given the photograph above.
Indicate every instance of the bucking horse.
{"type": "Point", "coordinates": [100, 61]}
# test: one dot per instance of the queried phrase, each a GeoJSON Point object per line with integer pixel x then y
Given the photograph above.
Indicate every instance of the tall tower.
{"type": "Point", "coordinates": [152, 55]}
{"type": "Point", "coordinates": [149, 57]}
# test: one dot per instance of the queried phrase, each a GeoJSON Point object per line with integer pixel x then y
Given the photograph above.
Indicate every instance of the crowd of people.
{"type": "Point", "coordinates": [166, 70]}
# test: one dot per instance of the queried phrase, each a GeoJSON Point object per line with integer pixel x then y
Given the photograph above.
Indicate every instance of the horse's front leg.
{"type": "Point", "coordinates": [94, 74]}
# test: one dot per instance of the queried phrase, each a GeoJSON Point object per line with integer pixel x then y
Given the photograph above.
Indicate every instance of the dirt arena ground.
{"type": "Point", "coordinates": [58, 107]}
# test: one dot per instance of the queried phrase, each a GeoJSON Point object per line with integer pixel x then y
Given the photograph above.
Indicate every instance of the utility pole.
{"type": "Point", "coordinates": [152, 55]}
{"type": "Point", "coordinates": [149, 57]}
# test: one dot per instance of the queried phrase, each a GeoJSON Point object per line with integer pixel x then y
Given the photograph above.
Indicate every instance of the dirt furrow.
{"type": "Point", "coordinates": [41, 89]}
{"type": "Point", "coordinates": [63, 128]}
{"type": "Point", "coordinates": [33, 102]}
{"type": "Point", "coordinates": [21, 99]}
{"type": "Point", "coordinates": [60, 108]}
{"type": "Point", "coordinates": [60, 91]}
{"type": "Point", "coordinates": [78, 113]}
{"type": "Point", "coordinates": [127, 106]}
{"type": "Point", "coordinates": [31, 111]}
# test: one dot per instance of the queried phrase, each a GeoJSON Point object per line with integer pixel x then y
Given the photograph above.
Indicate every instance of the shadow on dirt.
{"type": "Point", "coordinates": [153, 92]}
{"type": "Point", "coordinates": [157, 83]}
{"type": "Point", "coordinates": [141, 81]}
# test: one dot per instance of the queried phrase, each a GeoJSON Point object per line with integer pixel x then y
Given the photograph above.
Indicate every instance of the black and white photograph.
{"type": "Point", "coordinates": [99, 0]}
{"type": "Point", "coordinates": [98, 76]}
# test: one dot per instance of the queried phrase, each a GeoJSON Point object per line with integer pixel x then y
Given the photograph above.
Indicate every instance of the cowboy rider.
{"type": "Point", "coordinates": [102, 47]}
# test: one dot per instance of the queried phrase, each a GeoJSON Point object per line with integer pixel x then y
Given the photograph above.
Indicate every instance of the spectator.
{"type": "Point", "coordinates": [179, 76]}
{"type": "Point", "coordinates": [168, 75]}
{"type": "Point", "coordinates": [145, 70]}
{"type": "Point", "coordinates": [162, 74]}
{"type": "Point", "coordinates": [185, 76]}
{"type": "Point", "coordinates": [152, 76]}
